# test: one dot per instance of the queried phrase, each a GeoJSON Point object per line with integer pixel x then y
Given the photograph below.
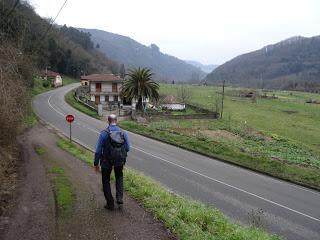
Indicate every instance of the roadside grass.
{"type": "Point", "coordinates": [277, 157]}
{"type": "Point", "coordinates": [64, 194]}
{"type": "Point", "coordinates": [69, 97]}
{"type": "Point", "coordinates": [40, 150]}
{"type": "Point", "coordinates": [75, 150]}
{"type": "Point", "coordinates": [29, 119]}
{"type": "Point", "coordinates": [68, 80]}
{"type": "Point", "coordinates": [186, 218]}
{"type": "Point", "coordinates": [40, 86]}
{"type": "Point", "coordinates": [62, 187]}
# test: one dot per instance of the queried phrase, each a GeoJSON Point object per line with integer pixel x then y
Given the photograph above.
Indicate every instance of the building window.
{"type": "Point", "coordinates": [115, 98]}
{"type": "Point", "coordinates": [106, 98]}
{"type": "Point", "coordinates": [98, 87]}
{"type": "Point", "coordinates": [114, 87]}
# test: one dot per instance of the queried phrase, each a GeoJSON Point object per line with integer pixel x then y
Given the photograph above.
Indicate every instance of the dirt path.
{"type": "Point", "coordinates": [37, 216]}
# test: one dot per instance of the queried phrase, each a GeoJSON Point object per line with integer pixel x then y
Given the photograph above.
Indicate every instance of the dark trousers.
{"type": "Point", "coordinates": [106, 172]}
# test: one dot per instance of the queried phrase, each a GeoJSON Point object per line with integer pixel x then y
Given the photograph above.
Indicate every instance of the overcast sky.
{"type": "Point", "coordinates": [208, 31]}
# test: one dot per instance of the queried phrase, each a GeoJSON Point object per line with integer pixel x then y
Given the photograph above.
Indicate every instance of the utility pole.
{"type": "Point", "coordinates": [222, 98]}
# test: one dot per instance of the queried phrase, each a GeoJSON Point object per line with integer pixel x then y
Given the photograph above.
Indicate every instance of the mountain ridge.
{"type": "Point", "coordinates": [293, 63]}
{"type": "Point", "coordinates": [131, 53]}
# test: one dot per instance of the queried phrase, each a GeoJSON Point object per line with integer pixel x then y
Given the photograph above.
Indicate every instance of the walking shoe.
{"type": "Point", "coordinates": [119, 201]}
{"type": "Point", "coordinates": [109, 207]}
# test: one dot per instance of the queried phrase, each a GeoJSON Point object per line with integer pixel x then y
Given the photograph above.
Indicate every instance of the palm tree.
{"type": "Point", "coordinates": [139, 85]}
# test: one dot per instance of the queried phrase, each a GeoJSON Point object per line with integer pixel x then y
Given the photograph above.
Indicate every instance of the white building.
{"type": "Point", "coordinates": [56, 79]}
{"type": "Point", "coordinates": [104, 88]}
{"type": "Point", "coordinates": [171, 103]}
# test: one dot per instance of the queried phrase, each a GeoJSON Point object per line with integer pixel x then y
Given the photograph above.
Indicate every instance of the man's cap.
{"type": "Point", "coordinates": [112, 117]}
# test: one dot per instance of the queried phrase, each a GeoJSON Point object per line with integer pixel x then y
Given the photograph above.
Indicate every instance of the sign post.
{"type": "Point", "coordinates": [70, 119]}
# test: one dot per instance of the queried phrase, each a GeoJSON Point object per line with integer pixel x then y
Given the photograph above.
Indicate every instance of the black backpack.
{"type": "Point", "coordinates": [114, 150]}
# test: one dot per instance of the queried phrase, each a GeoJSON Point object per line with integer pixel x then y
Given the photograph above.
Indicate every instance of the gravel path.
{"type": "Point", "coordinates": [37, 217]}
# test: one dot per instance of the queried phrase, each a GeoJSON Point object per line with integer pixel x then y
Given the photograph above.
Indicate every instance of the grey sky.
{"type": "Point", "coordinates": [208, 31]}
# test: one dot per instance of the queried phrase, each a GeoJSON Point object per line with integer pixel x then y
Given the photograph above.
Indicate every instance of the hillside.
{"type": "Point", "coordinates": [65, 50]}
{"type": "Point", "coordinates": [207, 68]}
{"type": "Point", "coordinates": [134, 54]}
{"type": "Point", "coordinates": [290, 64]}
{"type": "Point", "coordinates": [28, 44]}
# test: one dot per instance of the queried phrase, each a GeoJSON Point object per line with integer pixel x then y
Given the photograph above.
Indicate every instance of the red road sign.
{"type": "Point", "coordinates": [70, 118]}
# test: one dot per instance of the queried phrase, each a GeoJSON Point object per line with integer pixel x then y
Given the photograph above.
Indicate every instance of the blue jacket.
{"type": "Point", "coordinates": [102, 141]}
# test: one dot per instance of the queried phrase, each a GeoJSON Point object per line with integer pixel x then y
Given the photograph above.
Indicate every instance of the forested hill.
{"type": "Point", "coordinates": [290, 64]}
{"type": "Point", "coordinates": [28, 44]}
{"type": "Point", "coordinates": [133, 54]}
{"type": "Point", "coordinates": [66, 50]}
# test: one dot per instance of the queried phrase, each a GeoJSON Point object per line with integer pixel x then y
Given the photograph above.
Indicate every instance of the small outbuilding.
{"type": "Point", "coordinates": [56, 79]}
{"type": "Point", "coordinates": [170, 102]}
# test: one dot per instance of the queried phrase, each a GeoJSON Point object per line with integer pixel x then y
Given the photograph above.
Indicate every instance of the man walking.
{"type": "Point", "coordinates": [111, 151]}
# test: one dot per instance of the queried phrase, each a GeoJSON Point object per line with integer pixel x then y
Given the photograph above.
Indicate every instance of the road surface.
{"type": "Point", "coordinates": [245, 196]}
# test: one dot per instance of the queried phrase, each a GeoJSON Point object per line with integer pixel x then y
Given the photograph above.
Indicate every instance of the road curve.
{"type": "Point", "coordinates": [284, 208]}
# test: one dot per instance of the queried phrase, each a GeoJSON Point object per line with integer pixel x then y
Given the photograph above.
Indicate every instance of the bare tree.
{"type": "Point", "coordinates": [13, 94]}
{"type": "Point", "coordinates": [184, 93]}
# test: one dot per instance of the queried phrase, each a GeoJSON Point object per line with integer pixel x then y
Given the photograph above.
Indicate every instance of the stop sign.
{"type": "Point", "coordinates": [70, 118]}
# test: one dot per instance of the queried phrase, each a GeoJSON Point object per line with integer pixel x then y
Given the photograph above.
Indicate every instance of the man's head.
{"type": "Point", "coordinates": [112, 119]}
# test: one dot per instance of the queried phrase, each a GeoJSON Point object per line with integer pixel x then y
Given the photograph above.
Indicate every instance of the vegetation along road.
{"type": "Point", "coordinates": [243, 195]}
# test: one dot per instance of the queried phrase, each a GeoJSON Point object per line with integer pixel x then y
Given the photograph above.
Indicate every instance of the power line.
{"type": "Point", "coordinates": [54, 20]}
{"type": "Point", "coordinates": [60, 10]}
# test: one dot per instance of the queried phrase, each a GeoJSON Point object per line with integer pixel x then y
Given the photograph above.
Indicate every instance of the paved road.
{"type": "Point", "coordinates": [286, 209]}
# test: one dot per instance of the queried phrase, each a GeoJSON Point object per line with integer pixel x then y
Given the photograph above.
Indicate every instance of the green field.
{"type": "Point", "coordinates": [268, 115]}
{"type": "Point", "coordinates": [279, 136]}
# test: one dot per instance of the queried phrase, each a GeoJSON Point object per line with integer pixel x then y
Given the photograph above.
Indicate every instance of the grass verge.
{"type": "Point", "coordinates": [62, 188]}
{"type": "Point", "coordinates": [305, 176]}
{"type": "Point", "coordinates": [40, 150]}
{"type": "Point", "coordinates": [69, 97]}
{"type": "Point", "coordinates": [186, 218]}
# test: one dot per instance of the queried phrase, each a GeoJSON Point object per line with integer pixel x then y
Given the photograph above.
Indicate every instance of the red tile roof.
{"type": "Point", "coordinates": [108, 77]}
{"type": "Point", "coordinates": [49, 73]}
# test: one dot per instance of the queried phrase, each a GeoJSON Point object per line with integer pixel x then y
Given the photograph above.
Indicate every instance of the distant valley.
{"type": "Point", "coordinates": [207, 68]}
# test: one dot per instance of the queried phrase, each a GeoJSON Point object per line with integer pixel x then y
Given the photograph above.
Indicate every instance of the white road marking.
{"type": "Point", "coordinates": [228, 185]}
{"type": "Point", "coordinates": [205, 176]}
{"type": "Point", "coordinates": [53, 107]}
{"type": "Point", "coordinates": [275, 180]}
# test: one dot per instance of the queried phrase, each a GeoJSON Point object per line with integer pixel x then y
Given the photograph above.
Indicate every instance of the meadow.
{"type": "Point", "coordinates": [278, 134]}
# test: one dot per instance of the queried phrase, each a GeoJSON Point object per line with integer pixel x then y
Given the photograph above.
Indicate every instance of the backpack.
{"type": "Point", "coordinates": [114, 150]}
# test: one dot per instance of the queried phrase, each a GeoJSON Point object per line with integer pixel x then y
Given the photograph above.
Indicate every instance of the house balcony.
{"type": "Point", "coordinates": [105, 93]}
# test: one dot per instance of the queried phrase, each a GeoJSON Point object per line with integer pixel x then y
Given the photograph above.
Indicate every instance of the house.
{"type": "Point", "coordinates": [171, 103]}
{"type": "Point", "coordinates": [56, 80]}
{"type": "Point", "coordinates": [104, 88]}
{"type": "Point", "coordinates": [83, 81]}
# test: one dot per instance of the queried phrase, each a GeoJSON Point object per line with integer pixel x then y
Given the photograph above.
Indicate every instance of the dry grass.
{"type": "Point", "coordinates": [217, 134]}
